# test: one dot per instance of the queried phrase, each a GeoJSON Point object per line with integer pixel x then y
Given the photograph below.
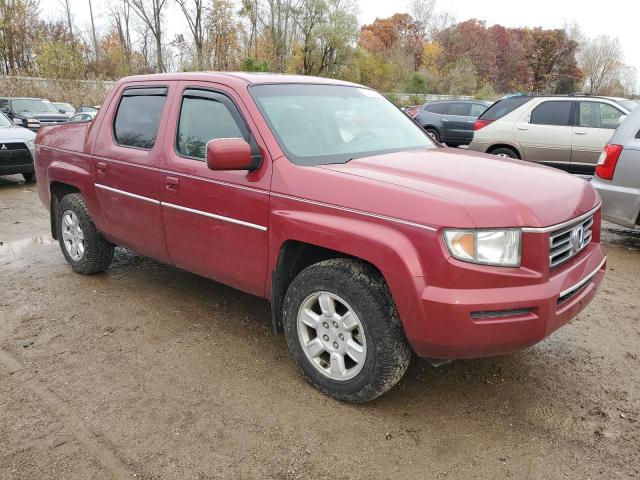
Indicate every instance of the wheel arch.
{"type": "Point", "coordinates": [293, 257]}
{"type": "Point", "coordinates": [57, 191]}
{"type": "Point", "coordinates": [510, 146]}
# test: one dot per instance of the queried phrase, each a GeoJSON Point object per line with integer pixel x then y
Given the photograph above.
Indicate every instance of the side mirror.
{"type": "Point", "coordinates": [6, 110]}
{"type": "Point", "coordinates": [229, 154]}
{"type": "Point", "coordinates": [621, 119]}
{"type": "Point", "coordinates": [18, 121]}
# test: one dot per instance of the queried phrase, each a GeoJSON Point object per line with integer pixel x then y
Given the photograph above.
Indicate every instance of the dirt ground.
{"type": "Point", "coordinates": [150, 372]}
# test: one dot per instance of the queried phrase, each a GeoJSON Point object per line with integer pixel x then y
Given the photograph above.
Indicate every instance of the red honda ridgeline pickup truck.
{"type": "Point", "coordinates": [368, 239]}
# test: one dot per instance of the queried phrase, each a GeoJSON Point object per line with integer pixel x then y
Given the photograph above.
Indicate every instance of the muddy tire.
{"type": "Point", "coordinates": [343, 331]}
{"type": "Point", "coordinates": [82, 244]}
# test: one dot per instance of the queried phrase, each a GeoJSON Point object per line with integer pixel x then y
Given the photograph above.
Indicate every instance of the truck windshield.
{"type": "Point", "coordinates": [322, 124]}
{"type": "Point", "coordinates": [32, 105]}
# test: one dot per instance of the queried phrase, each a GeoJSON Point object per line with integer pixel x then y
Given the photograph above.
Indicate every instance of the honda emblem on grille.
{"type": "Point", "coordinates": [4, 147]}
{"type": "Point", "coordinates": [577, 239]}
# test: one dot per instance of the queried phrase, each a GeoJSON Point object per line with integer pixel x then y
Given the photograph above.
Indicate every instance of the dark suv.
{"type": "Point", "coordinates": [31, 112]}
{"type": "Point", "coordinates": [451, 122]}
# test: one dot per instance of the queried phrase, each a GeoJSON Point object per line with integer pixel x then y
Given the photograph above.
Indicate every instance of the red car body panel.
{"type": "Point", "coordinates": [388, 210]}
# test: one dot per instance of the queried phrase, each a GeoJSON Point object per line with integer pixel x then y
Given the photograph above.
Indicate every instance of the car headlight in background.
{"type": "Point", "coordinates": [33, 123]}
{"type": "Point", "coordinates": [488, 247]}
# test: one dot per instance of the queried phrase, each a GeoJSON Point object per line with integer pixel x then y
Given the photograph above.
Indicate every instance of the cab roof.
{"type": "Point", "coordinates": [247, 78]}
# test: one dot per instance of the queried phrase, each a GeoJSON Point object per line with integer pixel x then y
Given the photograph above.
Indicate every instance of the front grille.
{"type": "Point", "coordinates": [567, 242]}
{"type": "Point", "coordinates": [12, 146]}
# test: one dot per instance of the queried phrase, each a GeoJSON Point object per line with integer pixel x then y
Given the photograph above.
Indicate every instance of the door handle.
{"type": "Point", "coordinates": [101, 167]}
{"type": "Point", "coordinates": [523, 127]}
{"type": "Point", "coordinates": [172, 185]}
{"type": "Point", "coordinates": [580, 132]}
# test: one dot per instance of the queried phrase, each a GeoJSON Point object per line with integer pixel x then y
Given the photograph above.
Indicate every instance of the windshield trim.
{"type": "Point", "coordinates": [333, 159]}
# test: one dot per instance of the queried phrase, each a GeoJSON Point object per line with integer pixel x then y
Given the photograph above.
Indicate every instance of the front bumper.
{"type": "Point", "coordinates": [472, 323]}
{"type": "Point", "coordinates": [13, 164]}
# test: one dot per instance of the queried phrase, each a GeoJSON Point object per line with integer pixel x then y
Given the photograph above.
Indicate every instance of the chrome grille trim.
{"type": "Point", "coordinates": [568, 241]}
{"type": "Point", "coordinates": [558, 226]}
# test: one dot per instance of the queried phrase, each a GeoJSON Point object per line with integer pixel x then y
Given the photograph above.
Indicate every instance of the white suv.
{"type": "Point", "coordinates": [568, 132]}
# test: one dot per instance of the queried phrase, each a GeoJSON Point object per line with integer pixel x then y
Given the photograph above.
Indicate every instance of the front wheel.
{"type": "Point", "coordinates": [29, 177]}
{"type": "Point", "coordinates": [343, 331]}
{"type": "Point", "coordinates": [82, 244]}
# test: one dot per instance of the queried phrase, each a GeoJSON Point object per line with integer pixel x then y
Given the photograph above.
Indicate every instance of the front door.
{"type": "Point", "coordinates": [545, 135]}
{"type": "Point", "coordinates": [595, 124]}
{"type": "Point", "coordinates": [127, 176]}
{"type": "Point", "coordinates": [215, 221]}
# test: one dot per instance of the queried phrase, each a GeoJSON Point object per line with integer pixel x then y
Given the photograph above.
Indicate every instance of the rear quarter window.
{"type": "Point", "coordinates": [504, 107]}
{"type": "Point", "coordinates": [439, 108]}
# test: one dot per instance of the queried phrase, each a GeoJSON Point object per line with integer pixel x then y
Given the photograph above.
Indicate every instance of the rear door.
{"type": "Point", "coordinates": [215, 221]}
{"type": "Point", "coordinates": [594, 126]}
{"type": "Point", "coordinates": [126, 169]}
{"type": "Point", "coordinates": [545, 135]}
{"type": "Point", "coordinates": [458, 123]}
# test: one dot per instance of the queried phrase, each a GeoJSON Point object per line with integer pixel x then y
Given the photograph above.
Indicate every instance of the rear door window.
{"type": "Point", "coordinates": [138, 117]}
{"type": "Point", "coordinates": [598, 115]}
{"type": "Point", "coordinates": [556, 113]}
{"type": "Point", "coordinates": [439, 108]}
{"type": "Point", "coordinates": [504, 107]}
{"type": "Point", "coordinates": [460, 109]}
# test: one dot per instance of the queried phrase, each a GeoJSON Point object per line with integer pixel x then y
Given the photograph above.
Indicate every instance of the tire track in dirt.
{"type": "Point", "coordinates": [96, 446]}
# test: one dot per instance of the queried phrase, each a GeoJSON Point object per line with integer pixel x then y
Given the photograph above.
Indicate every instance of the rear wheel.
{"type": "Point", "coordinates": [343, 331]}
{"type": "Point", "coordinates": [504, 152]}
{"type": "Point", "coordinates": [82, 244]}
{"type": "Point", "coordinates": [434, 134]}
{"type": "Point", "coordinates": [29, 177]}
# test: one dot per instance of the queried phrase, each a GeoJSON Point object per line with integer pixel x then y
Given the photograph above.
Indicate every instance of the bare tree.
{"type": "Point", "coordinates": [94, 37]}
{"type": "Point", "coordinates": [281, 29]}
{"type": "Point", "coordinates": [120, 12]}
{"type": "Point", "coordinates": [66, 6]}
{"type": "Point", "coordinates": [250, 10]}
{"type": "Point", "coordinates": [194, 11]}
{"type": "Point", "coordinates": [150, 12]}
{"type": "Point", "coordinates": [431, 19]}
{"type": "Point", "coordinates": [600, 59]}
{"type": "Point", "coordinates": [629, 80]}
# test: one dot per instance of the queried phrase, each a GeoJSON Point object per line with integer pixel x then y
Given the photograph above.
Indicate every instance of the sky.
{"type": "Point", "coordinates": [617, 18]}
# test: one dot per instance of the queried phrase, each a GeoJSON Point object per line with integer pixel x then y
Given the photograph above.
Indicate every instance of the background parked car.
{"type": "Point", "coordinates": [617, 177]}
{"type": "Point", "coordinates": [412, 110]}
{"type": "Point", "coordinates": [451, 122]}
{"type": "Point", "coordinates": [16, 149]}
{"type": "Point", "coordinates": [82, 117]}
{"type": "Point", "coordinates": [566, 132]}
{"type": "Point", "coordinates": [65, 108]}
{"type": "Point", "coordinates": [88, 109]}
{"type": "Point", "coordinates": [31, 112]}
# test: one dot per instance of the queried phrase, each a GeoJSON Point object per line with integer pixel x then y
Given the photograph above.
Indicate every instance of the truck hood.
{"type": "Point", "coordinates": [493, 191]}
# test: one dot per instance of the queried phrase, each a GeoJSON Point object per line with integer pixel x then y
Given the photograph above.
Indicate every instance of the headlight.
{"type": "Point", "coordinates": [488, 247]}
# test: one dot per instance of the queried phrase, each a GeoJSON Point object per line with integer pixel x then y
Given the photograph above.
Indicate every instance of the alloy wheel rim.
{"type": "Point", "coordinates": [72, 235]}
{"type": "Point", "coordinates": [331, 336]}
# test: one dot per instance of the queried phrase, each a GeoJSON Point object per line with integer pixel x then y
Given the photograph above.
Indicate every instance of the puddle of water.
{"type": "Point", "coordinates": [13, 249]}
